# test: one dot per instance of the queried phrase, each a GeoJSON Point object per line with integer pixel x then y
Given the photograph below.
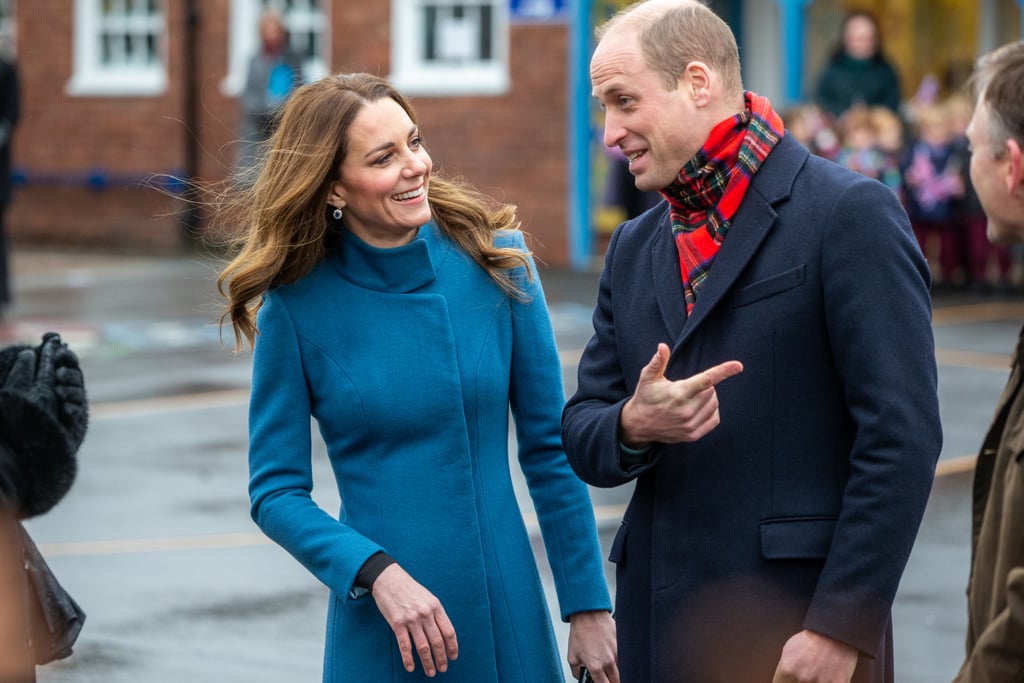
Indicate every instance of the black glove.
{"type": "Point", "coordinates": [31, 376]}
{"type": "Point", "coordinates": [69, 387]}
{"type": "Point", "coordinates": [43, 418]}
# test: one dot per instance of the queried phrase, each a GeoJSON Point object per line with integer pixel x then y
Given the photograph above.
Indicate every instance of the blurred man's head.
{"type": "Point", "coordinates": [996, 134]}
{"type": "Point", "coordinates": [272, 32]}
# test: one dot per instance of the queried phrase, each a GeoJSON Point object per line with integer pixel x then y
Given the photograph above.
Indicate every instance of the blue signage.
{"type": "Point", "coordinates": [538, 10]}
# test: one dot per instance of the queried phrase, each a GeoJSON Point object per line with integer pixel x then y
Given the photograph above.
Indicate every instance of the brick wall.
{"type": "Point", "coordinates": [513, 146]}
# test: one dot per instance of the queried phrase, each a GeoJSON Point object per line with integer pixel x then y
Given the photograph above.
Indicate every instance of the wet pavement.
{"type": "Point", "coordinates": [155, 539]}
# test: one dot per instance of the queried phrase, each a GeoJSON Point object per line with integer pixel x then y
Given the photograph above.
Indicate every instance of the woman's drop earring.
{"type": "Point", "coordinates": [338, 213]}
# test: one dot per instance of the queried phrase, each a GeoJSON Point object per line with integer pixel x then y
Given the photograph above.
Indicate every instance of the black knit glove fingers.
{"type": "Point", "coordinates": [69, 387]}
{"type": "Point", "coordinates": [33, 379]}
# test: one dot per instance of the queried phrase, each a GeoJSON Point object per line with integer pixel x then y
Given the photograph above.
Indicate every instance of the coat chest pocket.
{"type": "Point", "coordinates": [797, 538]}
{"type": "Point", "coordinates": [770, 286]}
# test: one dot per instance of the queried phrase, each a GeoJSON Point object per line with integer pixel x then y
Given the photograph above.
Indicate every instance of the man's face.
{"type": "Point", "coordinates": [656, 128]}
{"type": "Point", "coordinates": [991, 175]}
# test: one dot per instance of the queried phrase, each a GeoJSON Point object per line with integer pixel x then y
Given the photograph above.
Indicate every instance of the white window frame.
{"type": "Point", "coordinates": [91, 76]}
{"type": "Point", "coordinates": [244, 39]}
{"type": "Point", "coordinates": [414, 75]}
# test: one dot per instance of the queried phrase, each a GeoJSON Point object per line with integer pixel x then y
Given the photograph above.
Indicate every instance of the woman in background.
{"type": "Point", "coordinates": [858, 72]}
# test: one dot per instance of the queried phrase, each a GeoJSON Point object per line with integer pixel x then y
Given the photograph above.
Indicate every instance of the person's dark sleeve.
{"type": "Point", "coordinates": [889, 381]}
{"type": "Point", "coordinates": [372, 568]}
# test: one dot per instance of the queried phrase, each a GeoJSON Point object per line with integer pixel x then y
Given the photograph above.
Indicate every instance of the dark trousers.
{"type": "Point", "coordinates": [951, 248]}
{"type": "Point", "coordinates": [980, 250]}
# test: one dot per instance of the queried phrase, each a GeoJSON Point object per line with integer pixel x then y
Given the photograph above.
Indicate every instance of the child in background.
{"type": "Point", "coordinates": [861, 150]}
{"type": "Point", "coordinates": [890, 131]}
{"type": "Point", "coordinates": [933, 186]}
{"type": "Point", "coordinates": [810, 127]}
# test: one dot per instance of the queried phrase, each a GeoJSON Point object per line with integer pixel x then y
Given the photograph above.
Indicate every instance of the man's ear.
{"type": "Point", "coordinates": [697, 80]}
{"type": "Point", "coordinates": [1015, 167]}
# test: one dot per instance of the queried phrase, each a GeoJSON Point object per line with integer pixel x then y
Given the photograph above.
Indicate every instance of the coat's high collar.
{"type": "Point", "coordinates": [398, 269]}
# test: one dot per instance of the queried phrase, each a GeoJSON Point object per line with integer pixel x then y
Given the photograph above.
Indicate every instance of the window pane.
{"type": "Point", "coordinates": [451, 46]}
{"type": "Point", "coordinates": [430, 28]}
{"type": "Point", "coordinates": [486, 31]}
{"type": "Point", "coordinates": [129, 33]}
{"type": "Point", "coordinates": [458, 33]}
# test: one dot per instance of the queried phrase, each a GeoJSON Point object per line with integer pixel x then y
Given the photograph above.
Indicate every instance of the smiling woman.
{"type": "Point", "coordinates": [403, 312]}
{"type": "Point", "coordinates": [383, 180]}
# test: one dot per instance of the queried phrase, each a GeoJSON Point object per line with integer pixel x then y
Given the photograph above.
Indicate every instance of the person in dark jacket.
{"type": "Point", "coordinates": [746, 376]}
{"type": "Point", "coordinates": [858, 72]}
{"type": "Point", "coordinates": [43, 419]}
{"type": "Point", "coordinates": [9, 98]}
{"type": "Point", "coordinates": [995, 593]}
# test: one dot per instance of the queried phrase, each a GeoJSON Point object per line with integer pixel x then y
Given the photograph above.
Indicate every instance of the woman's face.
{"type": "Point", "coordinates": [382, 183]}
{"type": "Point", "coordinates": [860, 40]}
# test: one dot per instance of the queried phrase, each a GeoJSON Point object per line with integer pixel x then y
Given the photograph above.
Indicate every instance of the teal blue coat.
{"type": "Point", "coordinates": [409, 359]}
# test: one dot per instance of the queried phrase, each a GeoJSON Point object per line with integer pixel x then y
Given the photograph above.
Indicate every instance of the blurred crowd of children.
{"type": "Point", "coordinates": [921, 153]}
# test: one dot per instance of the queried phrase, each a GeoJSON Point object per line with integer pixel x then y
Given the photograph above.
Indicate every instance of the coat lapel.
{"type": "Point", "coordinates": [668, 281]}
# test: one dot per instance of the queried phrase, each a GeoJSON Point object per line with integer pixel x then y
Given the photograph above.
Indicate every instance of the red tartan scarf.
{"type": "Point", "coordinates": [708, 191]}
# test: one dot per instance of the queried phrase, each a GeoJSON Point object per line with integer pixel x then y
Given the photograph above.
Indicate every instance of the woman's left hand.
{"type": "Point", "coordinates": [592, 644]}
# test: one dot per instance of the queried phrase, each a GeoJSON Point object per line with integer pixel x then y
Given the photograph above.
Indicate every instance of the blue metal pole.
{"type": "Point", "coordinates": [793, 47]}
{"type": "Point", "coordinates": [580, 233]}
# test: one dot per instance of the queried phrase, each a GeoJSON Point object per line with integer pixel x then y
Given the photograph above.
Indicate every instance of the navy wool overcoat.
{"type": "Point", "coordinates": [800, 509]}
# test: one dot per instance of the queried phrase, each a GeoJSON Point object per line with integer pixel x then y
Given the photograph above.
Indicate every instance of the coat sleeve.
{"type": "Point", "coordinates": [590, 421]}
{"type": "Point", "coordinates": [878, 319]}
{"type": "Point", "coordinates": [998, 654]}
{"type": "Point", "coordinates": [280, 460]}
{"type": "Point", "coordinates": [563, 505]}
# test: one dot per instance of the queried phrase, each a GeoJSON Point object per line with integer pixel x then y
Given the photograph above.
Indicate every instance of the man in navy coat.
{"type": "Point", "coordinates": [762, 367]}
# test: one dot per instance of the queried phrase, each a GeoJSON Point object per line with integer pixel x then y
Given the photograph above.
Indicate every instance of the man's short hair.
{"type": "Point", "coordinates": [998, 82]}
{"type": "Point", "coordinates": [673, 33]}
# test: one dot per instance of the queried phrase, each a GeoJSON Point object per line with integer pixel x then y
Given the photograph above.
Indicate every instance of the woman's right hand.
{"type": "Point", "coordinates": [417, 619]}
